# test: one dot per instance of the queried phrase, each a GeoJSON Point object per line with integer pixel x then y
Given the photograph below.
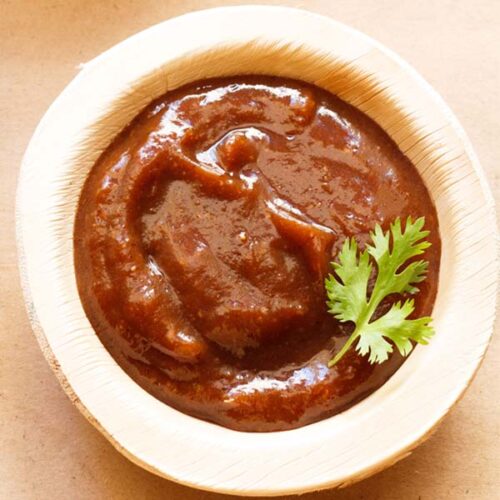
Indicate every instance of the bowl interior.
{"type": "Point", "coordinates": [105, 96]}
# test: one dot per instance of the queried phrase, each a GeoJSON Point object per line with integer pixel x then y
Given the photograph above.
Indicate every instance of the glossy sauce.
{"type": "Point", "coordinates": [203, 236]}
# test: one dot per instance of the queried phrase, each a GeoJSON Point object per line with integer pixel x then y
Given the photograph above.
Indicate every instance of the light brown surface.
{"type": "Point", "coordinates": [48, 449]}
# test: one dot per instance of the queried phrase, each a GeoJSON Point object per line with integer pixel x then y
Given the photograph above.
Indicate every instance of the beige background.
{"type": "Point", "coordinates": [47, 449]}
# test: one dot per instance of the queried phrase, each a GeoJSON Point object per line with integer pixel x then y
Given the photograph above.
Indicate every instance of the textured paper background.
{"type": "Point", "coordinates": [47, 449]}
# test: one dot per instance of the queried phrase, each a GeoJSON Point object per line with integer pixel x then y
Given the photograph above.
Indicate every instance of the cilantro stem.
{"type": "Point", "coordinates": [345, 348]}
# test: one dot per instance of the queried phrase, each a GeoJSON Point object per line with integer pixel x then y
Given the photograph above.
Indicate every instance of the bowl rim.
{"type": "Point", "coordinates": [66, 347]}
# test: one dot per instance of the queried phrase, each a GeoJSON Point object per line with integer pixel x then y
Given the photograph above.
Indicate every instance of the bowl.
{"type": "Point", "coordinates": [112, 89]}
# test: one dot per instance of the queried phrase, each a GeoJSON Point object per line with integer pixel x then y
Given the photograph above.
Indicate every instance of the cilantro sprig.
{"type": "Point", "coordinates": [349, 298]}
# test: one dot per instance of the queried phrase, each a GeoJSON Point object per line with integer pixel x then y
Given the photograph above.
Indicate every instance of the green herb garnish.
{"type": "Point", "coordinates": [349, 298]}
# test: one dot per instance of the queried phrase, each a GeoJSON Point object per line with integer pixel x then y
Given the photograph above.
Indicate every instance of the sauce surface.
{"type": "Point", "coordinates": [203, 237]}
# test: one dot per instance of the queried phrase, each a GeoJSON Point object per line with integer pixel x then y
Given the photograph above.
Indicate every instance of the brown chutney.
{"type": "Point", "coordinates": [203, 237]}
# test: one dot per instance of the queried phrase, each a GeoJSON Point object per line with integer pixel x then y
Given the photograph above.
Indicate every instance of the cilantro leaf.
{"type": "Point", "coordinates": [349, 298]}
{"type": "Point", "coordinates": [350, 293]}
